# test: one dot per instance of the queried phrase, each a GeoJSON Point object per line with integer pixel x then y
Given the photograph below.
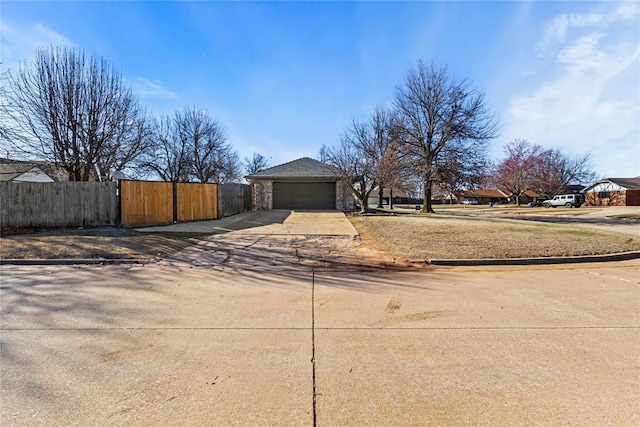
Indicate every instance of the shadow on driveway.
{"type": "Point", "coordinates": [237, 222]}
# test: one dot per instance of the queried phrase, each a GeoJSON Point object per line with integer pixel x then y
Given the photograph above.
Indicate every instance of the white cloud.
{"type": "Point", "coordinates": [584, 53]}
{"type": "Point", "coordinates": [150, 89]}
{"type": "Point", "coordinates": [566, 25]}
{"type": "Point", "coordinates": [556, 30]}
{"type": "Point", "coordinates": [592, 102]}
{"type": "Point", "coordinates": [628, 10]}
{"type": "Point", "coordinates": [19, 43]}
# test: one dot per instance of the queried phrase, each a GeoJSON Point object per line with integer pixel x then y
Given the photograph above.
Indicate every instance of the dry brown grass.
{"type": "Point", "coordinates": [93, 243]}
{"type": "Point", "coordinates": [422, 237]}
{"type": "Point", "coordinates": [408, 237]}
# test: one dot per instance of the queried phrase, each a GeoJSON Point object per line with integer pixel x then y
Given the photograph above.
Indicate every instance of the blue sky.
{"type": "Point", "coordinates": [287, 77]}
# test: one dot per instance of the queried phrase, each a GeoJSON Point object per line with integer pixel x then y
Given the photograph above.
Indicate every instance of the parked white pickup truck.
{"type": "Point", "coordinates": [567, 200]}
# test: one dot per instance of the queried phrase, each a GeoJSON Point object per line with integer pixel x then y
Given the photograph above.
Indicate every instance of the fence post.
{"type": "Point", "coordinates": [174, 191]}
{"type": "Point", "coordinates": [119, 204]}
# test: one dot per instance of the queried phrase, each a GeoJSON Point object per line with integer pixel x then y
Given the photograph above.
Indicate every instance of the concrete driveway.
{"type": "Point", "coordinates": [277, 343]}
{"type": "Point", "coordinates": [282, 238]}
{"type": "Point", "coordinates": [270, 222]}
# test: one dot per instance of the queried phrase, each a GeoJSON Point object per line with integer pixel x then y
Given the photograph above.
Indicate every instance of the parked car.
{"type": "Point", "coordinates": [469, 202]}
{"type": "Point", "coordinates": [567, 200]}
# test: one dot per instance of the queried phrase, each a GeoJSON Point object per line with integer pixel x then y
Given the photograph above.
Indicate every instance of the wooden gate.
{"type": "Point", "coordinates": [196, 201]}
{"type": "Point", "coordinates": [146, 203]}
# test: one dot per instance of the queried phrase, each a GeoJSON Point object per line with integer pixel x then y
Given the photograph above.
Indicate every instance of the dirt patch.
{"type": "Point", "coordinates": [413, 237]}
{"type": "Point", "coordinates": [104, 242]}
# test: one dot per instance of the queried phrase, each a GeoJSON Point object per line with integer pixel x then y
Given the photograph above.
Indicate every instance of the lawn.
{"type": "Point", "coordinates": [405, 237]}
{"type": "Point", "coordinates": [422, 237]}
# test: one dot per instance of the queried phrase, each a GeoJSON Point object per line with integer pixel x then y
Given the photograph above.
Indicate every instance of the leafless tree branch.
{"type": "Point", "coordinates": [75, 111]}
{"type": "Point", "coordinates": [440, 116]}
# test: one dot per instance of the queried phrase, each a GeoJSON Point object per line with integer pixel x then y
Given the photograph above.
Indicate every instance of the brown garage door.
{"type": "Point", "coordinates": [304, 195]}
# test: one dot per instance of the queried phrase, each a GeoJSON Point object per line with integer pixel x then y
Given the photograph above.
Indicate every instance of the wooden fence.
{"type": "Point", "coordinates": [57, 204]}
{"type": "Point", "coordinates": [138, 203]}
{"type": "Point", "coordinates": [150, 203]}
{"type": "Point", "coordinates": [233, 199]}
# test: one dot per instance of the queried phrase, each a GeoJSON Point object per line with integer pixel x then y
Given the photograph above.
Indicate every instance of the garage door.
{"type": "Point", "coordinates": [304, 195]}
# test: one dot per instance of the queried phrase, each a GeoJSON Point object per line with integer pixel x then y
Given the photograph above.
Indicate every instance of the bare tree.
{"type": "Point", "coordinates": [323, 154]}
{"type": "Point", "coordinates": [438, 112]}
{"type": "Point", "coordinates": [529, 166]}
{"type": "Point", "coordinates": [516, 173]}
{"type": "Point", "coordinates": [383, 151]}
{"type": "Point", "coordinates": [170, 157]}
{"type": "Point", "coordinates": [227, 166]}
{"type": "Point", "coordinates": [5, 127]}
{"type": "Point", "coordinates": [456, 172]}
{"type": "Point", "coordinates": [368, 156]}
{"type": "Point", "coordinates": [213, 158]}
{"type": "Point", "coordinates": [75, 111]}
{"type": "Point", "coordinates": [255, 164]}
{"type": "Point", "coordinates": [351, 157]}
{"type": "Point", "coordinates": [190, 144]}
{"type": "Point", "coordinates": [556, 170]}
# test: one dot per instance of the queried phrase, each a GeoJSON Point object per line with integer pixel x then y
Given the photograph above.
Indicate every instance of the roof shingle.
{"type": "Point", "coordinates": [299, 169]}
{"type": "Point", "coordinates": [628, 183]}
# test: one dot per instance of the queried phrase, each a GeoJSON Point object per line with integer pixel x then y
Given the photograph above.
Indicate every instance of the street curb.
{"type": "Point", "coordinates": [623, 256]}
{"type": "Point", "coordinates": [75, 261]}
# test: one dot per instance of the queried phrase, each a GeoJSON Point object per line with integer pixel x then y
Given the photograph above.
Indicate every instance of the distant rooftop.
{"type": "Point", "coordinates": [628, 183]}
{"type": "Point", "coordinates": [485, 192]}
{"type": "Point", "coordinates": [10, 169]}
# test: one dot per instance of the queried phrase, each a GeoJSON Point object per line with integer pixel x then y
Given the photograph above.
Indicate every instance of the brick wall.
{"type": "Point", "coordinates": [616, 198]}
{"type": "Point", "coordinates": [633, 197]}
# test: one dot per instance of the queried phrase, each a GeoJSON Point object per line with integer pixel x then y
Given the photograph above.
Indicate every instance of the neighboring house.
{"type": "Point", "coordinates": [28, 171]}
{"type": "Point", "coordinates": [613, 192]}
{"type": "Point", "coordinates": [527, 197]}
{"type": "Point", "coordinates": [303, 184]}
{"type": "Point", "coordinates": [484, 196]}
{"type": "Point", "coordinates": [440, 196]}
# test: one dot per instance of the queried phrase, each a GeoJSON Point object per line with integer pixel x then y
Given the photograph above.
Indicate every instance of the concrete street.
{"type": "Point", "coordinates": [280, 342]}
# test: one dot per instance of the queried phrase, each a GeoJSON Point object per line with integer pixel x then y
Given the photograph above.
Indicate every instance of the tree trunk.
{"type": "Point", "coordinates": [380, 193]}
{"type": "Point", "coordinates": [364, 201]}
{"type": "Point", "coordinates": [363, 206]}
{"type": "Point", "coordinates": [426, 206]}
{"type": "Point", "coordinates": [390, 198]}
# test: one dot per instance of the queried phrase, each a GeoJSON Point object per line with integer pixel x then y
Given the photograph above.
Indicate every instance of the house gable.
{"type": "Point", "coordinates": [29, 171]}
{"type": "Point", "coordinates": [614, 184]}
{"type": "Point", "coordinates": [34, 175]}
